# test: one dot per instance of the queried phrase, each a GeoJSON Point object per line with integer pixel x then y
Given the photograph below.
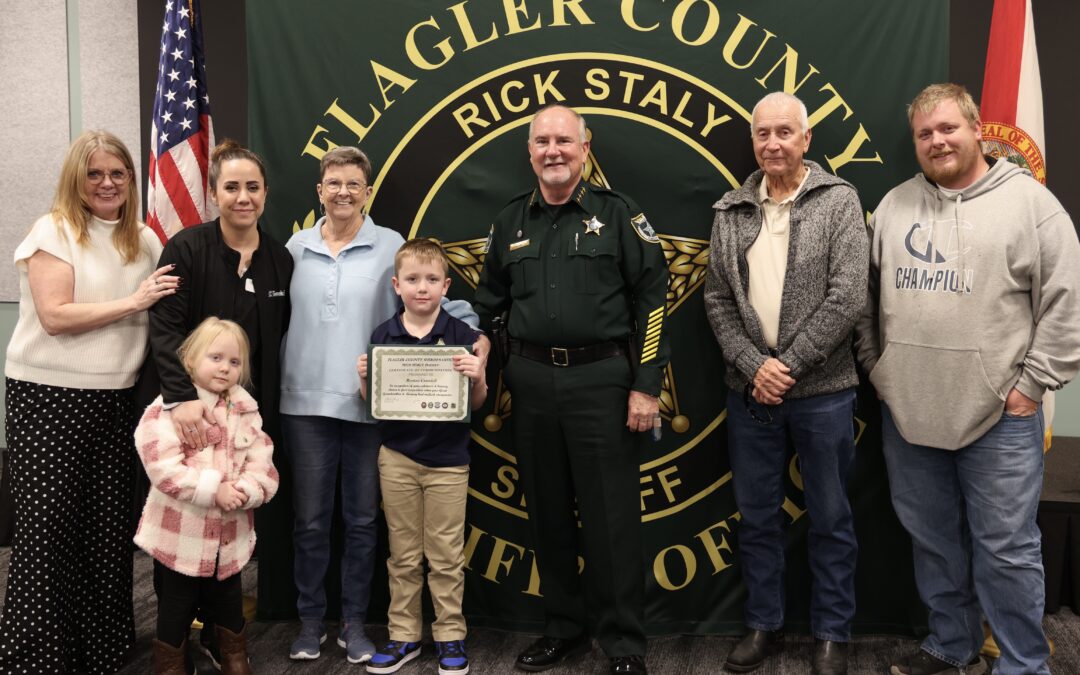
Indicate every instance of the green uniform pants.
{"type": "Point", "coordinates": [571, 442]}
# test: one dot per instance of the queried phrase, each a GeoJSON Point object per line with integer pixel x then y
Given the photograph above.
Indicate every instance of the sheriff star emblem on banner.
{"type": "Point", "coordinates": [667, 89]}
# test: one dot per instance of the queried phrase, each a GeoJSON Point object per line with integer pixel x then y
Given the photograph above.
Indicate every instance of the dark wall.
{"type": "Point", "coordinates": [1055, 25]}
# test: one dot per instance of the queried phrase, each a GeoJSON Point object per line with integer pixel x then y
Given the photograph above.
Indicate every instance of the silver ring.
{"type": "Point", "coordinates": [191, 430]}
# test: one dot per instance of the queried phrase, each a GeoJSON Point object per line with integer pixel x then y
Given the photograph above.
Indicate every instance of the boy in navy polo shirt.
{"type": "Point", "coordinates": [424, 474]}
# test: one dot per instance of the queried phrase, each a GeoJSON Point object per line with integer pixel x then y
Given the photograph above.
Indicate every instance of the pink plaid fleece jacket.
{"type": "Point", "coordinates": [181, 526]}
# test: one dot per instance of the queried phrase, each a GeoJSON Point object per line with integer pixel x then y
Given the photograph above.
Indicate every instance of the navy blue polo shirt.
{"type": "Point", "coordinates": [429, 443]}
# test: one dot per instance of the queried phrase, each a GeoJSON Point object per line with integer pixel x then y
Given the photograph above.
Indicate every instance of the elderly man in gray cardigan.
{"type": "Point", "coordinates": [787, 281]}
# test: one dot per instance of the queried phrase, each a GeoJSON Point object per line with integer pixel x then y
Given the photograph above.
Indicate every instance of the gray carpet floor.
{"type": "Point", "coordinates": [492, 651]}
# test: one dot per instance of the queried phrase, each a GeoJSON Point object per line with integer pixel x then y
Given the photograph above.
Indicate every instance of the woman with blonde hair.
{"type": "Point", "coordinates": [86, 279]}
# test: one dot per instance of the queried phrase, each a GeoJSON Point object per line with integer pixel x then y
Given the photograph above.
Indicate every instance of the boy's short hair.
{"type": "Point", "coordinates": [195, 345]}
{"type": "Point", "coordinates": [425, 251]}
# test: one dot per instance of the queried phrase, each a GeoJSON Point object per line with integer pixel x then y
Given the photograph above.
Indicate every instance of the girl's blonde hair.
{"type": "Point", "coordinates": [196, 344]}
{"type": "Point", "coordinates": [70, 203]}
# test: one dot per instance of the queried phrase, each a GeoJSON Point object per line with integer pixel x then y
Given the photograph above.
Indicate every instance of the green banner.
{"type": "Point", "coordinates": [439, 95]}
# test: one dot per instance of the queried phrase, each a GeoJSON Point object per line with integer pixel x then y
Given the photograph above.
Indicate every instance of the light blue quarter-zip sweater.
{"type": "Point", "coordinates": [336, 304]}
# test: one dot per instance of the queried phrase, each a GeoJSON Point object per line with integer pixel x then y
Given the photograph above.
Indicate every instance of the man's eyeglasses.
{"type": "Point", "coordinates": [118, 176]}
{"type": "Point", "coordinates": [759, 413]}
{"type": "Point", "coordinates": [334, 186]}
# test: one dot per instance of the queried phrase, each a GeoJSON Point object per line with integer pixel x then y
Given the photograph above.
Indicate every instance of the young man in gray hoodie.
{"type": "Point", "coordinates": [973, 314]}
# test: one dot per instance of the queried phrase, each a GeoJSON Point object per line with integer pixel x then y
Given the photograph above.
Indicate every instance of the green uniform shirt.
{"type": "Point", "coordinates": [581, 273]}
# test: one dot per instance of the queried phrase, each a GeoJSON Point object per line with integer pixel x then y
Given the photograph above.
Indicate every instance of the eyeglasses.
{"type": "Point", "coordinates": [118, 177]}
{"type": "Point", "coordinates": [354, 187]}
{"type": "Point", "coordinates": [750, 404]}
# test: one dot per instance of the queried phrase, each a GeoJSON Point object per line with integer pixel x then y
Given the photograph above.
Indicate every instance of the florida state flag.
{"type": "Point", "coordinates": [1012, 113]}
{"type": "Point", "coordinates": [1012, 107]}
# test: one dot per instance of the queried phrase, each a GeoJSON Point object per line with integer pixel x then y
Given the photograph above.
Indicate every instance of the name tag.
{"type": "Point", "coordinates": [519, 244]}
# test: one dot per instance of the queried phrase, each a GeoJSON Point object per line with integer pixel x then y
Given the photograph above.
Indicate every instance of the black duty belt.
{"type": "Point", "coordinates": [567, 356]}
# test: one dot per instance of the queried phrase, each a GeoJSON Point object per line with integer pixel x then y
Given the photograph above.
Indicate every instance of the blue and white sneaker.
{"type": "Point", "coordinates": [358, 647]}
{"type": "Point", "coordinates": [306, 646]}
{"type": "Point", "coordinates": [393, 656]}
{"type": "Point", "coordinates": [452, 658]}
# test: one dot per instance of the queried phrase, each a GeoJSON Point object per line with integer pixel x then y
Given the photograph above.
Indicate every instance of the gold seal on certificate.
{"type": "Point", "coordinates": [417, 383]}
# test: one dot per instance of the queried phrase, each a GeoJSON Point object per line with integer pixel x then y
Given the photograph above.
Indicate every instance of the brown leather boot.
{"type": "Point", "coordinates": [169, 660]}
{"type": "Point", "coordinates": [233, 646]}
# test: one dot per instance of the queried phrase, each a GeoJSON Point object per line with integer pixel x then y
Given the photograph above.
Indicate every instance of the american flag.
{"type": "Point", "coordinates": [181, 133]}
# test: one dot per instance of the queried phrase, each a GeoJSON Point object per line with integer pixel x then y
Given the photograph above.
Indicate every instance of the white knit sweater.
{"type": "Point", "coordinates": [105, 358]}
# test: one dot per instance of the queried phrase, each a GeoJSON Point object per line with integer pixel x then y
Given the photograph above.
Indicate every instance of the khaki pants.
{"type": "Point", "coordinates": [425, 513]}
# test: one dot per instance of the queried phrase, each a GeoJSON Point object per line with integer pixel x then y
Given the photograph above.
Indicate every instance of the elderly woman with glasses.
{"type": "Point", "coordinates": [341, 291]}
{"type": "Point", "coordinates": [86, 278]}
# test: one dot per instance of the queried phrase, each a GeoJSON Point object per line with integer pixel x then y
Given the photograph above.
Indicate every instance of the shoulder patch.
{"type": "Point", "coordinates": [644, 229]}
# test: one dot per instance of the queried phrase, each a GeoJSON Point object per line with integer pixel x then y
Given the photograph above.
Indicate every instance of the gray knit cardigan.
{"type": "Point", "coordinates": [824, 288]}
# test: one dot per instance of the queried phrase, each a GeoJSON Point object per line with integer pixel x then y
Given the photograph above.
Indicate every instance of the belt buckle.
{"type": "Point", "coordinates": [556, 353]}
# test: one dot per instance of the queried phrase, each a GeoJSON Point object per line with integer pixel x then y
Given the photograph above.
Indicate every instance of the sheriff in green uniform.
{"type": "Point", "coordinates": [583, 276]}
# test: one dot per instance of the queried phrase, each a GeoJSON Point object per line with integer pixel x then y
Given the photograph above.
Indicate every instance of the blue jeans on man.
{"type": "Point", "coordinates": [971, 517]}
{"type": "Point", "coordinates": [318, 448]}
{"type": "Point", "coordinates": [821, 429]}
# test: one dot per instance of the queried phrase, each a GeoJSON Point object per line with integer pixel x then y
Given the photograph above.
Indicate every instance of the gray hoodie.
{"type": "Point", "coordinates": [970, 296]}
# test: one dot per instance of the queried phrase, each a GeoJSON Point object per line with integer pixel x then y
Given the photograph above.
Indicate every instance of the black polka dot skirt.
{"type": "Point", "coordinates": [68, 606]}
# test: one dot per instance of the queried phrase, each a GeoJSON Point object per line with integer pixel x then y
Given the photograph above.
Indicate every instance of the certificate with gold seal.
{"type": "Point", "coordinates": [417, 383]}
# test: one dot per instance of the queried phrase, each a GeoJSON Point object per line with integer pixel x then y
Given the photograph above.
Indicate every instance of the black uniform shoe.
{"type": "Point", "coordinates": [547, 652]}
{"type": "Point", "coordinates": [830, 658]}
{"type": "Point", "coordinates": [751, 651]}
{"type": "Point", "coordinates": [628, 665]}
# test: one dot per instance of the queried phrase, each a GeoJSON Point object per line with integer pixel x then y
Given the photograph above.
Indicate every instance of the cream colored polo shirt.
{"type": "Point", "coordinates": [766, 259]}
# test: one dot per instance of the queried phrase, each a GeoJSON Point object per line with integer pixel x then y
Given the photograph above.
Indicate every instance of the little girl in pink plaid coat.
{"type": "Point", "coordinates": [198, 522]}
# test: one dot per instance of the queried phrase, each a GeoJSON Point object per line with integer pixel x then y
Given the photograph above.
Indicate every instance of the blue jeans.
{"type": "Point", "coordinates": [318, 448]}
{"type": "Point", "coordinates": [971, 517]}
{"type": "Point", "coordinates": [822, 430]}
